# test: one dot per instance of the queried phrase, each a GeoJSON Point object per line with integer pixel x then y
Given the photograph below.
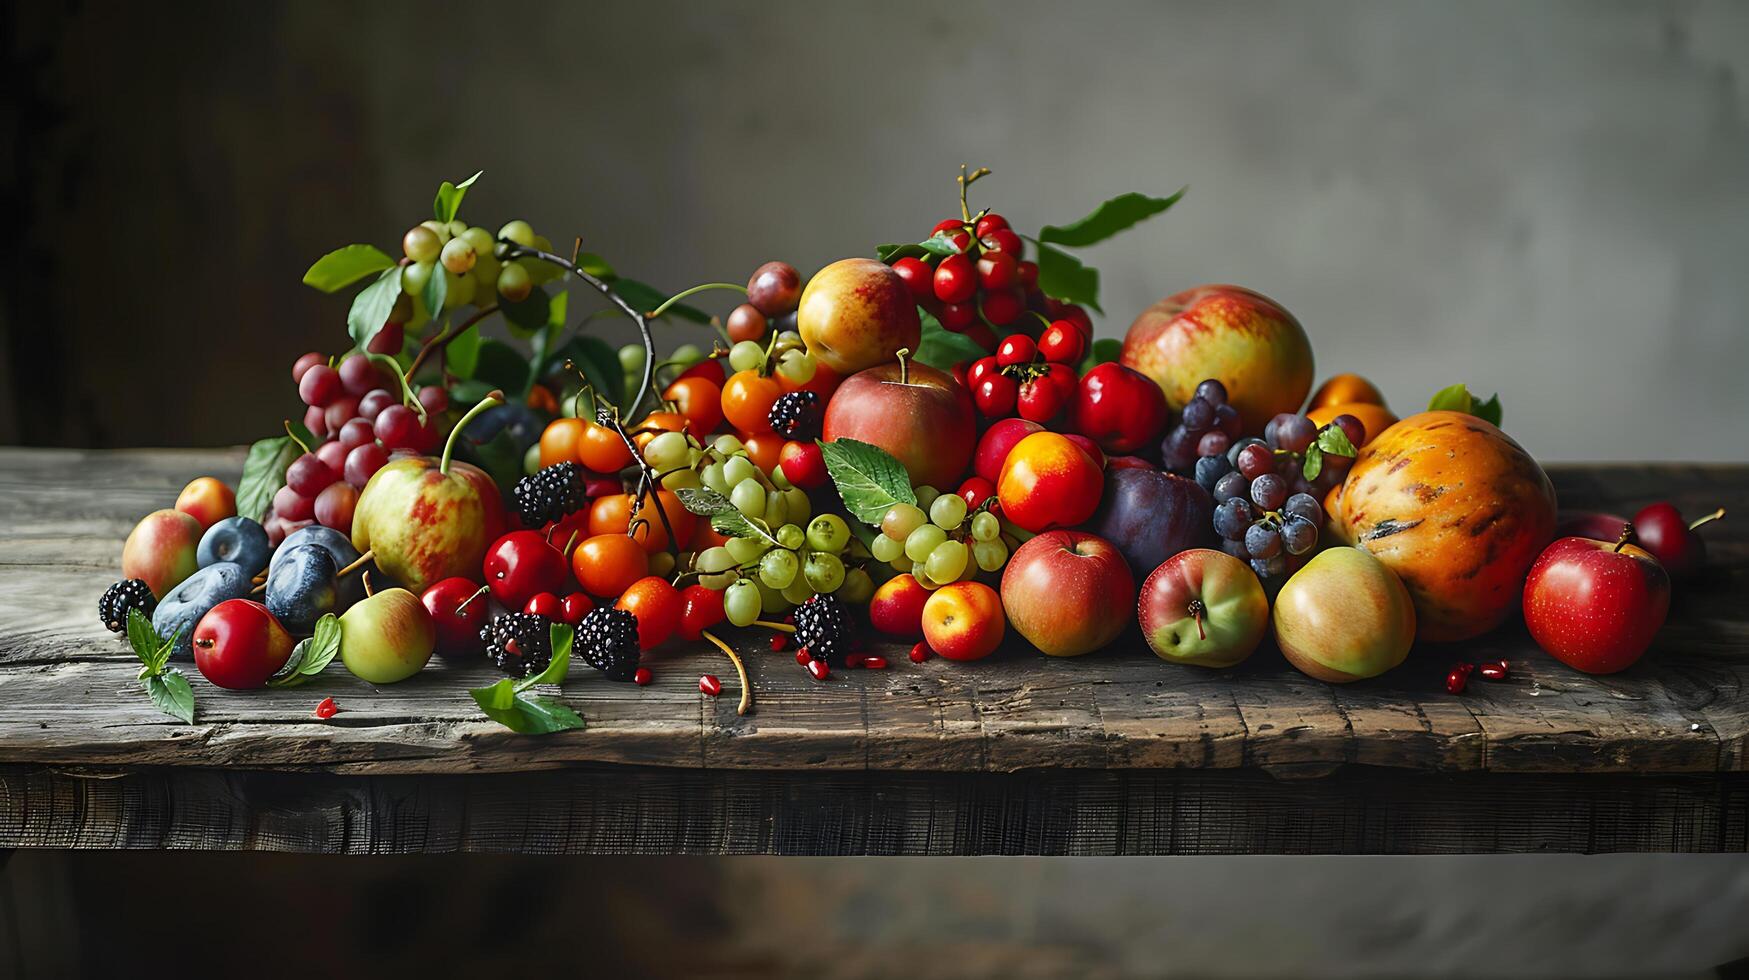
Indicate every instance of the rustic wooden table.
{"type": "Point", "coordinates": [1114, 753]}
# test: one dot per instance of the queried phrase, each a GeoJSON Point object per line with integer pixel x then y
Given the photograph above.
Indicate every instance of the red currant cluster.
{"type": "Point", "coordinates": [1032, 379]}
{"type": "Point", "coordinates": [355, 409]}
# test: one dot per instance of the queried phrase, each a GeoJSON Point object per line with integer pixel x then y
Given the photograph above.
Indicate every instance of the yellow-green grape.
{"type": "Point", "coordinates": [531, 460]}
{"type": "Point", "coordinates": [681, 479]}
{"type": "Point", "coordinates": [948, 510]}
{"type": "Point", "coordinates": [744, 550]}
{"type": "Point", "coordinates": [786, 340]}
{"type": "Point", "coordinates": [414, 276]}
{"type": "Point", "coordinates": [985, 526]}
{"type": "Point", "coordinates": [919, 543]}
{"type": "Point", "coordinates": [518, 231]}
{"type": "Point", "coordinates": [824, 572]}
{"type": "Point", "coordinates": [712, 477]}
{"type": "Point", "coordinates": [857, 587]}
{"type": "Point", "coordinates": [662, 563]}
{"type": "Point", "coordinates": [726, 445]}
{"type": "Point", "coordinates": [714, 566]}
{"type": "Point", "coordinates": [742, 602]}
{"type": "Point", "coordinates": [421, 244]}
{"type": "Point", "coordinates": [457, 290]}
{"type": "Point", "coordinates": [778, 568]}
{"type": "Point", "coordinates": [798, 591]}
{"type": "Point", "coordinates": [926, 496]}
{"type": "Point", "coordinates": [631, 358]}
{"type": "Point", "coordinates": [901, 520]}
{"type": "Point", "coordinates": [790, 536]}
{"type": "Point", "coordinates": [778, 479]}
{"type": "Point", "coordinates": [456, 227]}
{"type": "Point", "coordinates": [776, 508]}
{"type": "Point", "coordinates": [666, 451]}
{"type": "Point", "coordinates": [946, 561]}
{"type": "Point", "coordinates": [990, 555]}
{"type": "Point", "coordinates": [686, 355]}
{"type": "Point", "coordinates": [829, 533]}
{"type": "Point", "coordinates": [748, 498]}
{"type": "Point", "coordinates": [796, 366]}
{"type": "Point", "coordinates": [438, 228]}
{"type": "Point", "coordinates": [480, 239]}
{"type": "Point", "coordinates": [771, 600]}
{"type": "Point", "coordinates": [797, 507]}
{"type": "Point", "coordinates": [901, 563]}
{"type": "Point", "coordinates": [514, 283]}
{"type": "Point", "coordinates": [458, 256]}
{"type": "Point", "coordinates": [887, 549]}
{"type": "Point", "coordinates": [920, 572]}
{"type": "Point", "coordinates": [738, 470]}
{"type": "Point", "coordinates": [746, 355]}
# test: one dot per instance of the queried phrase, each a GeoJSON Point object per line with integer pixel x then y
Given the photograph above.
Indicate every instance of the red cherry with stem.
{"type": "Point", "coordinates": [1002, 307]}
{"type": "Point", "coordinates": [947, 226]}
{"type": "Point", "coordinates": [702, 608]}
{"type": "Point", "coordinates": [918, 276]}
{"type": "Point", "coordinates": [1062, 343]}
{"type": "Point", "coordinates": [1003, 240]}
{"type": "Point", "coordinates": [319, 386]}
{"type": "Point", "coordinates": [980, 368]}
{"type": "Point", "coordinates": [305, 363]}
{"type": "Point", "coordinates": [989, 223]}
{"type": "Point", "coordinates": [543, 604]}
{"type": "Point", "coordinates": [962, 241]}
{"type": "Point", "coordinates": [521, 564]}
{"type": "Point", "coordinates": [976, 490]}
{"type": "Point", "coordinates": [575, 607]}
{"type": "Point", "coordinates": [957, 317]}
{"type": "Point", "coordinates": [458, 609]}
{"type": "Point", "coordinates": [1660, 529]}
{"type": "Point", "coordinates": [998, 270]}
{"type": "Point", "coordinates": [1017, 349]}
{"type": "Point", "coordinates": [1039, 400]}
{"type": "Point", "coordinates": [995, 396]}
{"type": "Point", "coordinates": [956, 279]}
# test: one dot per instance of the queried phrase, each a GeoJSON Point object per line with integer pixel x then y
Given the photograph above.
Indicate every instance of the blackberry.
{"type": "Point", "coordinates": [551, 494]}
{"type": "Point", "coordinates": [608, 640]}
{"type": "Point", "coordinates": [122, 596]}
{"type": "Point", "coordinates": [823, 627]}
{"type": "Point", "coordinates": [519, 644]}
{"type": "Point", "coordinates": [796, 415]}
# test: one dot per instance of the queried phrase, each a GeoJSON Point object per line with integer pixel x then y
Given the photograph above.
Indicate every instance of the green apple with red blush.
{"type": "Point", "coordinates": [1203, 607]}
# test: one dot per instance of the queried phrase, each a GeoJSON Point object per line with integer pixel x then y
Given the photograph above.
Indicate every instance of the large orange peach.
{"type": "Point", "coordinates": [1245, 339]}
{"type": "Point", "coordinates": [1454, 507]}
{"type": "Point", "coordinates": [1376, 418]}
{"type": "Point", "coordinates": [857, 313]}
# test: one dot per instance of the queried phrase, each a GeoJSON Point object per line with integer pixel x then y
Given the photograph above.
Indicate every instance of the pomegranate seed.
{"type": "Point", "coordinates": [919, 653]}
{"type": "Point", "coordinates": [327, 708]}
{"type": "Point", "coordinates": [802, 658]}
{"type": "Point", "coordinates": [710, 685]}
{"type": "Point", "coordinates": [875, 662]}
{"type": "Point", "coordinates": [779, 642]}
{"type": "Point", "coordinates": [642, 677]}
{"type": "Point", "coordinates": [819, 669]}
{"type": "Point", "coordinates": [854, 660]}
{"type": "Point", "coordinates": [1455, 681]}
{"type": "Point", "coordinates": [1493, 670]}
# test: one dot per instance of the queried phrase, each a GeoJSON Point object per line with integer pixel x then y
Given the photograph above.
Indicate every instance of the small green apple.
{"type": "Point", "coordinates": [387, 637]}
{"type": "Point", "coordinates": [1203, 607]}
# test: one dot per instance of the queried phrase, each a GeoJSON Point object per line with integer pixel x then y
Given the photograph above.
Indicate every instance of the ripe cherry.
{"type": "Point", "coordinates": [948, 226]}
{"type": "Point", "coordinates": [958, 317]}
{"type": "Point", "coordinates": [1028, 272]}
{"type": "Point", "coordinates": [397, 427]}
{"type": "Point", "coordinates": [803, 464]}
{"type": "Point", "coordinates": [995, 396]}
{"type": "Point", "coordinates": [1017, 349]}
{"type": "Point", "coordinates": [976, 490]}
{"type": "Point", "coordinates": [819, 669]}
{"type": "Point", "coordinates": [543, 604]}
{"type": "Point", "coordinates": [658, 607]}
{"type": "Point", "coordinates": [702, 608]}
{"type": "Point", "coordinates": [918, 276]}
{"type": "Point", "coordinates": [919, 653]}
{"type": "Point", "coordinates": [1002, 240]}
{"type": "Point", "coordinates": [1062, 342]}
{"type": "Point", "coordinates": [1065, 378]}
{"type": "Point", "coordinates": [458, 610]}
{"type": "Point", "coordinates": [575, 607]}
{"type": "Point", "coordinates": [1003, 306]}
{"type": "Point", "coordinates": [998, 270]}
{"type": "Point", "coordinates": [803, 657]}
{"type": "Point", "coordinates": [980, 368]}
{"type": "Point", "coordinates": [989, 223]}
{"type": "Point", "coordinates": [522, 564]}
{"type": "Point", "coordinates": [956, 279]}
{"type": "Point", "coordinates": [1039, 400]}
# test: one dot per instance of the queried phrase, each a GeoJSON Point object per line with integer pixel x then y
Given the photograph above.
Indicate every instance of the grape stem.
{"type": "Point", "coordinates": [444, 336]}
{"type": "Point", "coordinates": [408, 398]}
{"type": "Point", "coordinates": [668, 303]}
{"type": "Point", "coordinates": [294, 436]}
{"type": "Point", "coordinates": [768, 624]}
{"type": "Point", "coordinates": [646, 473]}
{"type": "Point", "coordinates": [746, 704]}
{"type": "Point", "coordinates": [492, 400]}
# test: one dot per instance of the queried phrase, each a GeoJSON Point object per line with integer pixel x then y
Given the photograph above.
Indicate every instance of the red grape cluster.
{"type": "Point", "coordinates": [1032, 379]}
{"type": "Point", "coordinates": [773, 292]}
{"type": "Point", "coordinates": [354, 409]}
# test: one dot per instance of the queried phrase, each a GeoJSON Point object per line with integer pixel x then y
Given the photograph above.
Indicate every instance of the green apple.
{"type": "Point", "coordinates": [1203, 607]}
{"type": "Point", "coordinates": [1344, 617]}
{"type": "Point", "coordinates": [387, 637]}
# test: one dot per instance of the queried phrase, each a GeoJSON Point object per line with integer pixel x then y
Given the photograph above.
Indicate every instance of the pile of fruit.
{"type": "Point", "coordinates": [928, 446]}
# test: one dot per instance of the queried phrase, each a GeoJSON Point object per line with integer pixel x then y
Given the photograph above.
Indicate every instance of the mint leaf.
{"type": "Point", "coordinates": [372, 306]}
{"type": "Point", "coordinates": [171, 694]}
{"type": "Point", "coordinates": [264, 474]}
{"type": "Point", "coordinates": [941, 347]}
{"type": "Point", "coordinates": [145, 640]}
{"type": "Point", "coordinates": [1115, 215]}
{"type": "Point", "coordinates": [868, 478]}
{"type": "Point", "coordinates": [725, 517]}
{"type": "Point", "coordinates": [312, 655]}
{"type": "Point", "coordinates": [1061, 276]}
{"type": "Point", "coordinates": [345, 266]}
{"type": "Point", "coordinates": [1457, 398]}
{"type": "Point", "coordinates": [1314, 463]}
{"type": "Point", "coordinates": [1334, 441]}
{"type": "Point", "coordinates": [449, 198]}
{"type": "Point", "coordinates": [543, 716]}
{"type": "Point", "coordinates": [562, 636]}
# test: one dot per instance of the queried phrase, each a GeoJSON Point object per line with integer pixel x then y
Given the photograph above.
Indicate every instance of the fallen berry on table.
{"type": "Point", "coordinates": [1494, 670]}
{"type": "Point", "coordinates": [327, 708]}
{"type": "Point", "coordinates": [710, 685]}
{"type": "Point", "coordinates": [820, 669]}
{"type": "Point", "coordinates": [779, 642]}
{"type": "Point", "coordinates": [919, 652]}
{"type": "Point", "coordinates": [1458, 678]}
{"type": "Point", "coordinates": [875, 662]}
{"type": "Point", "coordinates": [854, 660]}
{"type": "Point", "coordinates": [642, 677]}
{"type": "Point", "coordinates": [803, 657]}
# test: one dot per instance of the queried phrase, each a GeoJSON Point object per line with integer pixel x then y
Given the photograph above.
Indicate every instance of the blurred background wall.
{"type": "Point", "coordinates": [1548, 200]}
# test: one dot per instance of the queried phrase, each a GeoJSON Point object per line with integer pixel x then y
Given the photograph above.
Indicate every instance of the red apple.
{"type": "Point", "coordinates": [1595, 605]}
{"type": "Point", "coordinates": [1068, 592]}
{"type": "Point", "coordinates": [995, 443]}
{"type": "Point", "coordinates": [1203, 607]}
{"type": "Point", "coordinates": [963, 621]}
{"type": "Point", "coordinates": [161, 550]}
{"type": "Point", "coordinates": [897, 607]}
{"type": "Point", "coordinates": [457, 611]}
{"type": "Point", "coordinates": [239, 645]}
{"type": "Point", "coordinates": [1121, 409]}
{"type": "Point", "coordinates": [920, 415]}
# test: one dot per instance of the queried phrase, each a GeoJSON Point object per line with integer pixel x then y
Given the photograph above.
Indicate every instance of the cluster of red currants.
{"type": "Point", "coordinates": [354, 408]}
{"type": "Point", "coordinates": [1032, 379]}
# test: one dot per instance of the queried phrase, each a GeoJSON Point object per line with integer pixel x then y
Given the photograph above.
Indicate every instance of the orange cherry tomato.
{"type": "Point", "coordinates": [823, 383]}
{"type": "Point", "coordinates": [541, 398]}
{"type": "Point", "coordinates": [765, 449]}
{"type": "Point", "coordinates": [560, 442]}
{"type": "Point", "coordinates": [607, 564]}
{"type": "Point", "coordinates": [700, 401]}
{"type": "Point", "coordinates": [653, 534]}
{"type": "Point", "coordinates": [747, 399]}
{"type": "Point", "coordinates": [611, 514]}
{"type": "Point", "coordinates": [658, 607]}
{"type": "Point", "coordinates": [655, 424]}
{"type": "Point", "coordinates": [601, 449]}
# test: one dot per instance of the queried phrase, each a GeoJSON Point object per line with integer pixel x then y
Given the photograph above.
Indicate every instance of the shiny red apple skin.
{"type": "Point", "coordinates": [994, 444]}
{"type": "Point", "coordinates": [521, 565]}
{"type": "Point", "coordinates": [1119, 408]}
{"type": "Point", "coordinates": [458, 627]}
{"type": "Point", "coordinates": [920, 415]}
{"type": "Point", "coordinates": [238, 645]}
{"type": "Point", "coordinates": [1068, 592]}
{"type": "Point", "coordinates": [1593, 607]}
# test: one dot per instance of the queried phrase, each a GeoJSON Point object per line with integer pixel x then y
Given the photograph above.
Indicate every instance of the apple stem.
{"type": "Point", "coordinates": [492, 400]}
{"type": "Point", "coordinates": [293, 436]}
{"type": "Point", "coordinates": [1627, 537]}
{"type": "Point", "coordinates": [369, 589]}
{"type": "Point", "coordinates": [1708, 519]}
{"type": "Point", "coordinates": [470, 599]}
{"type": "Point", "coordinates": [1196, 610]}
{"type": "Point", "coordinates": [357, 563]}
{"type": "Point", "coordinates": [746, 704]}
{"type": "Point", "coordinates": [904, 365]}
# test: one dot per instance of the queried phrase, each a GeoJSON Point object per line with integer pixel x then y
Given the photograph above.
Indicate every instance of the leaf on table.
{"type": "Point", "coordinates": [372, 306]}
{"type": "Point", "coordinates": [145, 640]}
{"type": "Point", "coordinates": [263, 474]}
{"type": "Point", "coordinates": [345, 266]}
{"type": "Point", "coordinates": [449, 198]}
{"type": "Point", "coordinates": [312, 655]}
{"type": "Point", "coordinates": [561, 636]}
{"type": "Point", "coordinates": [543, 716]}
{"type": "Point", "coordinates": [868, 478]}
{"type": "Point", "coordinates": [171, 694]}
{"type": "Point", "coordinates": [1121, 212]}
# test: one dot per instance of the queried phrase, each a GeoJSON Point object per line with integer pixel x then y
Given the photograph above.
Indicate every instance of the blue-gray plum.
{"type": "Point", "coordinates": [238, 540]}
{"type": "Point", "coordinates": [1152, 515]}
{"type": "Point", "coordinates": [302, 588]}
{"type": "Point", "coordinates": [340, 548]}
{"type": "Point", "coordinates": [178, 611]}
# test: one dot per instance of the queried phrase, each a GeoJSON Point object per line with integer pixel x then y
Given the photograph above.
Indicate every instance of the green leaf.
{"type": "Point", "coordinates": [502, 366]}
{"type": "Point", "coordinates": [170, 692]}
{"type": "Point", "coordinates": [1314, 463]}
{"type": "Point", "coordinates": [868, 478]}
{"type": "Point", "coordinates": [499, 456]}
{"type": "Point", "coordinates": [1457, 398]}
{"type": "Point", "coordinates": [891, 253]}
{"type": "Point", "coordinates": [1061, 276]}
{"type": "Point", "coordinates": [1121, 212]}
{"type": "Point", "coordinates": [264, 474]}
{"type": "Point", "coordinates": [1105, 350]}
{"type": "Point", "coordinates": [939, 244]}
{"type": "Point", "coordinates": [599, 363]}
{"type": "Point", "coordinates": [1490, 410]}
{"type": "Point", "coordinates": [596, 266]}
{"type": "Point", "coordinates": [941, 347]}
{"type": "Point", "coordinates": [145, 640]}
{"type": "Point", "coordinates": [345, 266]}
{"type": "Point", "coordinates": [449, 199]}
{"type": "Point", "coordinates": [436, 291]}
{"type": "Point", "coordinates": [372, 306]}
{"type": "Point", "coordinates": [461, 356]}
{"type": "Point", "coordinates": [562, 637]}
{"type": "Point", "coordinates": [312, 655]}
{"type": "Point", "coordinates": [1334, 441]}
{"type": "Point", "coordinates": [702, 501]}
{"type": "Point", "coordinates": [543, 716]}
{"type": "Point", "coordinates": [644, 297]}
{"type": "Point", "coordinates": [528, 315]}
{"type": "Point", "coordinates": [725, 517]}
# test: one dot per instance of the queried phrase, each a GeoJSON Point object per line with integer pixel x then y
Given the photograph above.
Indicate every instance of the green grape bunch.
{"type": "Point", "coordinates": [940, 541]}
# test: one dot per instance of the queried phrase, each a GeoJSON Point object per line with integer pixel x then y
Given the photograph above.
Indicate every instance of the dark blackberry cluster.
{"type": "Point", "coordinates": [551, 494]}
{"type": "Point", "coordinates": [122, 596]}
{"type": "Point", "coordinates": [796, 415]}
{"type": "Point", "coordinates": [519, 644]}
{"type": "Point", "coordinates": [823, 627]}
{"type": "Point", "coordinates": [608, 640]}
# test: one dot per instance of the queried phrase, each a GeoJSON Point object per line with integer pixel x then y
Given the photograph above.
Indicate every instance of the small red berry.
{"type": "Point", "coordinates": [1002, 240]}
{"type": "Point", "coordinates": [956, 279]}
{"type": "Point", "coordinates": [327, 708]}
{"type": "Point", "coordinates": [1003, 306]}
{"type": "Point", "coordinates": [1028, 272]}
{"type": "Point", "coordinates": [1493, 670]}
{"type": "Point", "coordinates": [544, 604]}
{"type": "Point", "coordinates": [948, 226]}
{"type": "Point", "coordinates": [710, 685]}
{"type": "Point", "coordinates": [819, 669]}
{"type": "Point", "coordinates": [995, 396]}
{"type": "Point", "coordinates": [919, 653]}
{"type": "Point", "coordinates": [1457, 678]}
{"type": "Point", "coordinates": [981, 368]}
{"type": "Point", "coordinates": [1062, 342]}
{"type": "Point", "coordinates": [642, 677]}
{"type": "Point", "coordinates": [575, 607]}
{"type": "Point", "coordinates": [854, 660]}
{"type": "Point", "coordinates": [998, 270]}
{"type": "Point", "coordinates": [1018, 349]}
{"type": "Point", "coordinates": [803, 658]}
{"type": "Point", "coordinates": [875, 662]}
{"type": "Point", "coordinates": [957, 317]}
{"type": "Point", "coordinates": [779, 642]}
{"type": "Point", "coordinates": [989, 223]}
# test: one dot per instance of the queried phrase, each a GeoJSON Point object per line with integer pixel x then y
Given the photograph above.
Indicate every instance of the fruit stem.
{"type": "Point", "coordinates": [369, 589]}
{"type": "Point", "coordinates": [702, 287]}
{"type": "Point", "coordinates": [768, 624]}
{"type": "Point", "coordinates": [746, 704]}
{"type": "Point", "coordinates": [294, 437]}
{"type": "Point", "coordinates": [357, 563]}
{"type": "Point", "coordinates": [408, 398]}
{"type": "Point", "coordinates": [1196, 610]}
{"type": "Point", "coordinates": [966, 181]}
{"type": "Point", "coordinates": [1708, 519]}
{"type": "Point", "coordinates": [492, 400]}
{"type": "Point", "coordinates": [470, 599]}
{"type": "Point", "coordinates": [1627, 536]}
{"type": "Point", "coordinates": [904, 366]}
{"type": "Point", "coordinates": [443, 338]}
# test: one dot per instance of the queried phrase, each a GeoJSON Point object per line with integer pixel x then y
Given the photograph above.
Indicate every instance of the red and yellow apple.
{"type": "Point", "coordinates": [919, 414]}
{"type": "Point", "coordinates": [856, 314]}
{"type": "Point", "coordinates": [1048, 482]}
{"type": "Point", "coordinates": [387, 637]}
{"type": "Point", "coordinates": [1243, 339]}
{"type": "Point", "coordinates": [238, 644]}
{"type": "Point", "coordinates": [208, 500]}
{"type": "Point", "coordinates": [963, 621]}
{"type": "Point", "coordinates": [1596, 605]}
{"type": "Point", "coordinates": [161, 550]}
{"type": "Point", "coordinates": [1068, 592]}
{"type": "Point", "coordinates": [896, 608]}
{"type": "Point", "coordinates": [997, 442]}
{"type": "Point", "coordinates": [1203, 607]}
{"type": "Point", "coordinates": [1344, 617]}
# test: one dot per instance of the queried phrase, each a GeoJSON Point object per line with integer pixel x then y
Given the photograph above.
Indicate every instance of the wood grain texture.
{"type": "Point", "coordinates": [71, 698]}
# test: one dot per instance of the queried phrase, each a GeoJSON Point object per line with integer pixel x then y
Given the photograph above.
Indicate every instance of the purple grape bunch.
{"type": "Point", "coordinates": [1207, 426]}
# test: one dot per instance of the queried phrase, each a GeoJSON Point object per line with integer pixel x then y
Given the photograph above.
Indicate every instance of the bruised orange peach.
{"type": "Point", "coordinates": [1376, 418]}
{"type": "Point", "coordinates": [1454, 507]}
